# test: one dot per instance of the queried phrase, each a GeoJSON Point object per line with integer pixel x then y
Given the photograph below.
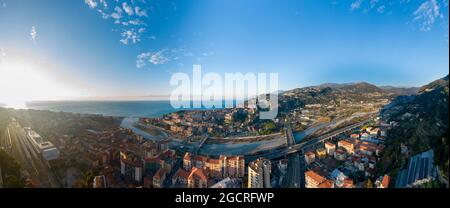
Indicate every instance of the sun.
{"type": "Point", "coordinates": [22, 80]}
{"type": "Point", "coordinates": [16, 105]}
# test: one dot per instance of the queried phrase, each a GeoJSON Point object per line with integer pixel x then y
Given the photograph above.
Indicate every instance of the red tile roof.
{"type": "Point", "coordinates": [326, 184]}
{"type": "Point", "coordinates": [330, 144]}
{"type": "Point", "coordinates": [345, 143]}
{"type": "Point", "coordinates": [315, 176]}
{"type": "Point", "coordinates": [309, 154]}
{"type": "Point", "coordinates": [198, 173]}
{"type": "Point", "coordinates": [159, 174]}
{"type": "Point", "coordinates": [348, 183]}
{"type": "Point", "coordinates": [181, 173]}
{"type": "Point", "coordinates": [386, 180]}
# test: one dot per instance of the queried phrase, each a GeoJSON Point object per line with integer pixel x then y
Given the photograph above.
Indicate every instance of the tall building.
{"type": "Point", "coordinates": [123, 167]}
{"type": "Point", "coordinates": [313, 179]}
{"type": "Point", "coordinates": [180, 178]}
{"type": "Point", "coordinates": [321, 153]}
{"type": "Point", "coordinates": [99, 182]}
{"type": "Point", "coordinates": [138, 172]}
{"type": "Point", "coordinates": [259, 173]}
{"type": "Point", "coordinates": [228, 183]}
{"type": "Point", "coordinates": [330, 148]}
{"type": "Point", "coordinates": [215, 167]}
{"type": "Point", "coordinates": [234, 167]}
{"type": "Point", "coordinates": [198, 178]}
{"type": "Point", "coordinates": [347, 145]}
{"type": "Point", "coordinates": [310, 157]}
{"type": "Point", "coordinates": [187, 161]}
{"type": "Point", "coordinates": [159, 178]}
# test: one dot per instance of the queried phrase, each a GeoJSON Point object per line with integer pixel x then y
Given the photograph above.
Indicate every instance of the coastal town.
{"type": "Point", "coordinates": [118, 157]}
{"type": "Point", "coordinates": [318, 143]}
{"type": "Point", "coordinates": [303, 147]}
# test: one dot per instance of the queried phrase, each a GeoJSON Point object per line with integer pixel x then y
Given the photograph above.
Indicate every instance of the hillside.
{"type": "Point", "coordinates": [401, 90]}
{"type": "Point", "coordinates": [338, 95]}
{"type": "Point", "coordinates": [422, 123]}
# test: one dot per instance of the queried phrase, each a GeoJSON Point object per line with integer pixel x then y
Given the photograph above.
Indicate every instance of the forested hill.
{"type": "Point", "coordinates": [422, 124]}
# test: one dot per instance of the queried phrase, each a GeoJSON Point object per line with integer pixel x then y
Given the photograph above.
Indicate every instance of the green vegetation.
{"type": "Point", "coordinates": [299, 127]}
{"type": "Point", "coordinates": [368, 184]}
{"type": "Point", "coordinates": [422, 125]}
{"type": "Point", "coordinates": [10, 171]}
{"type": "Point", "coordinates": [269, 127]}
{"type": "Point", "coordinates": [433, 184]}
{"type": "Point", "coordinates": [87, 180]}
{"type": "Point", "coordinates": [4, 119]}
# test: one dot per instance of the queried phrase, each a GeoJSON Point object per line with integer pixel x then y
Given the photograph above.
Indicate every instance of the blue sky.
{"type": "Point", "coordinates": [101, 48]}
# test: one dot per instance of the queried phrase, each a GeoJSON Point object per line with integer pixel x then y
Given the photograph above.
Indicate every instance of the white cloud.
{"type": "Point", "coordinates": [131, 22]}
{"type": "Point", "coordinates": [381, 9]}
{"type": "Point", "coordinates": [91, 3]}
{"type": "Point", "coordinates": [141, 30]}
{"type": "Point", "coordinates": [128, 9]}
{"type": "Point", "coordinates": [129, 16]}
{"type": "Point", "coordinates": [373, 3]}
{"type": "Point", "coordinates": [160, 57]}
{"type": "Point", "coordinates": [155, 58]}
{"type": "Point", "coordinates": [427, 13]}
{"type": "Point", "coordinates": [208, 54]}
{"type": "Point", "coordinates": [103, 2]}
{"type": "Point", "coordinates": [2, 53]}
{"type": "Point", "coordinates": [2, 56]}
{"type": "Point", "coordinates": [356, 5]}
{"type": "Point", "coordinates": [4, 4]}
{"type": "Point", "coordinates": [117, 15]}
{"type": "Point", "coordinates": [129, 35]}
{"type": "Point", "coordinates": [33, 33]}
{"type": "Point", "coordinates": [140, 12]}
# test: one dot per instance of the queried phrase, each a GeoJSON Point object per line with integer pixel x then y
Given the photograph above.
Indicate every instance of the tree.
{"type": "Point", "coordinates": [12, 181]}
{"type": "Point", "coordinates": [12, 178]}
{"type": "Point", "coordinates": [87, 180]}
{"type": "Point", "coordinates": [368, 184]}
{"type": "Point", "coordinates": [4, 120]}
{"type": "Point", "coordinates": [268, 127]}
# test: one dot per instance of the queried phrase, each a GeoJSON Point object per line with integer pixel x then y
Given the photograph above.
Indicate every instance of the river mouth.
{"type": "Point", "coordinates": [233, 146]}
{"type": "Point", "coordinates": [130, 122]}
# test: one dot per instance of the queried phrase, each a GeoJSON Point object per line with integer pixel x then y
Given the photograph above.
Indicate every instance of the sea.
{"type": "Point", "coordinates": [148, 109]}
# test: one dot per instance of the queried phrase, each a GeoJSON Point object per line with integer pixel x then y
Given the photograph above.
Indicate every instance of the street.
{"type": "Point", "coordinates": [296, 166]}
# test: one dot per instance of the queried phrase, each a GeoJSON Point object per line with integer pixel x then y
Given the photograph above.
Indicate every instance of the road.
{"type": "Point", "coordinates": [279, 153]}
{"type": "Point", "coordinates": [295, 177]}
{"type": "Point", "coordinates": [295, 171]}
{"type": "Point", "coordinates": [34, 166]}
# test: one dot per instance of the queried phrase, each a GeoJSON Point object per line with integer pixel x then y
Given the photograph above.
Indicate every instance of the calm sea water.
{"type": "Point", "coordinates": [149, 109]}
{"type": "Point", "coordinates": [107, 108]}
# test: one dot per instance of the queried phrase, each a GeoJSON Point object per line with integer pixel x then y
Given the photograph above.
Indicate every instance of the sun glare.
{"type": "Point", "coordinates": [16, 105]}
{"type": "Point", "coordinates": [22, 81]}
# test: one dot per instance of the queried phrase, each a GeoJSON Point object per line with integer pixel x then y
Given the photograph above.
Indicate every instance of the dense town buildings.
{"type": "Point", "coordinates": [259, 172]}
